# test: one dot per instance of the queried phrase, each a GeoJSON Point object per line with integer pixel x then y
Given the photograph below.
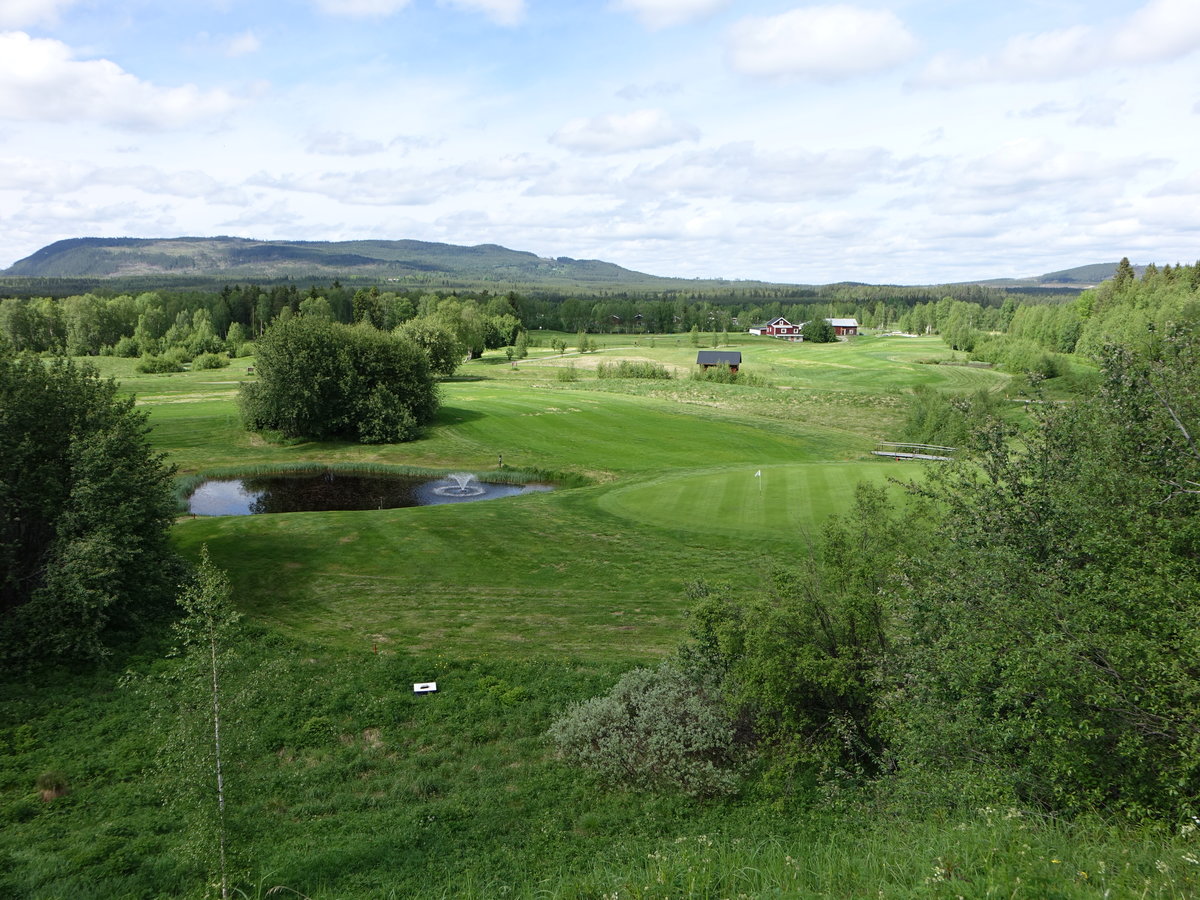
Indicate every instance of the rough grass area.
{"type": "Point", "coordinates": [343, 785]}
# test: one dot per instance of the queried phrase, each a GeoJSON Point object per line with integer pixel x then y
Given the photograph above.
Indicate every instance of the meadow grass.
{"type": "Point", "coordinates": [342, 784]}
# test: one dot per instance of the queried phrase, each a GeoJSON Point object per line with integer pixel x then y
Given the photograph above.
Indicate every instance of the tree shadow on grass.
{"type": "Point", "coordinates": [457, 415]}
{"type": "Point", "coordinates": [271, 560]}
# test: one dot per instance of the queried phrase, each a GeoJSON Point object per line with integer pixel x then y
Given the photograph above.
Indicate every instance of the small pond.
{"type": "Point", "coordinates": [328, 491]}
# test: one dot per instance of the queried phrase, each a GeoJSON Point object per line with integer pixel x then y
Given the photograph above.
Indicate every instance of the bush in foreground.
{"type": "Point", "coordinates": [657, 728]}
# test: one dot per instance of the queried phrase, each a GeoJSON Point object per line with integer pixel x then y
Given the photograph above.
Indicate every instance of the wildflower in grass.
{"type": "Point", "coordinates": [940, 872]}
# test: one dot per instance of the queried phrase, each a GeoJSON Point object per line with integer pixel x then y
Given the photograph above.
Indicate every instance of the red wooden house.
{"type": "Point", "coordinates": [778, 327]}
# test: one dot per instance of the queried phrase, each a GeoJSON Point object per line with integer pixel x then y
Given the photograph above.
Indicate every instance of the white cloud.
{"type": "Point", "coordinates": [338, 143]}
{"type": "Point", "coordinates": [1188, 185]}
{"type": "Point", "coordinates": [152, 180]}
{"type": "Point", "coordinates": [502, 12]}
{"type": "Point", "coordinates": [615, 133]}
{"type": "Point", "coordinates": [40, 81]}
{"type": "Point", "coordinates": [1095, 112]}
{"type": "Point", "coordinates": [1033, 174]}
{"type": "Point", "coordinates": [743, 173]}
{"type": "Point", "coordinates": [514, 167]}
{"type": "Point", "coordinates": [55, 179]}
{"type": "Point", "coordinates": [643, 92]}
{"type": "Point", "coordinates": [22, 13]}
{"type": "Point", "coordinates": [243, 44]}
{"type": "Point", "coordinates": [361, 9]}
{"type": "Point", "coordinates": [823, 42]}
{"type": "Point", "coordinates": [1160, 31]}
{"type": "Point", "coordinates": [655, 14]}
{"type": "Point", "coordinates": [371, 187]}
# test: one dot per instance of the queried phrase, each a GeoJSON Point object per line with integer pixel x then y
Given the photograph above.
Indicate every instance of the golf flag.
{"type": "Point", "coordinates": [758, 474]}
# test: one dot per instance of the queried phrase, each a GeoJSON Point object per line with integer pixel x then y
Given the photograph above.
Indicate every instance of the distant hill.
{"type": "Point", "coordinates": [1078, 277]}
{"type": "Point", "coordinates": [408, 262]}
{"type": "Point", "coordinates": [197, 261]}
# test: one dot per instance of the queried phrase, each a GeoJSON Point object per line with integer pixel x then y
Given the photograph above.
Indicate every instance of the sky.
{"type": "Point", "coordinates": [894, 141]}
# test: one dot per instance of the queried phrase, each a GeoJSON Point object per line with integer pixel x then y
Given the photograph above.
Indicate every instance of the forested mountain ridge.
{"type": "Point", "coordinates": [242, 258]}
{"type": "Point", "coordinates": [1084, 276]}
{"type": "Point", "coordinates": [405, 262]}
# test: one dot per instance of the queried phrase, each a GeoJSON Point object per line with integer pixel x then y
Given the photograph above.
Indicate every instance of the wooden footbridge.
{"type": "Point", "coordinates": [914, 451]}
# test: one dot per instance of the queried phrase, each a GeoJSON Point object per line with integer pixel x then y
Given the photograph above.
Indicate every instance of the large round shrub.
{"type": "Point", "coordinates": [657, 728]}
{"type": "Point", "coordinates": [319, 379]}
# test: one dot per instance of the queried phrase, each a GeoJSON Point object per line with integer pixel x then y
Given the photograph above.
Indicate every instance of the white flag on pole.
{"type": "Point", "coordinates": [758, 474]}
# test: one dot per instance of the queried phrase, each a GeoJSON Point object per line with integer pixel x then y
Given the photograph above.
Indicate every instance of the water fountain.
{"type": "Point", "coordinates": [462, 486]}
{"type": "Point", "coordinates": [327, 491]}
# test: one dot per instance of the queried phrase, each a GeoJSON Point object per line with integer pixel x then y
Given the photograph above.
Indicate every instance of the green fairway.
{"type": "Point", "coordinates": [782, 501]}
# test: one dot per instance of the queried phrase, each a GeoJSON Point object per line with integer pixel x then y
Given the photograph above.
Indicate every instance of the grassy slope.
{"type": "Point", "coordinates": [352, 787]}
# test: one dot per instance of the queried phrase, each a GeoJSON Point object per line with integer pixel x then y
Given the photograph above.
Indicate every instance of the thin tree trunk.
{"type": "Point", "coordinates": [217, 747]}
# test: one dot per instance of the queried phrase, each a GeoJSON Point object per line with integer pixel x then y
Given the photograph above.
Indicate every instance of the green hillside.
{"type": "Point", "coordinates": [399, 262]}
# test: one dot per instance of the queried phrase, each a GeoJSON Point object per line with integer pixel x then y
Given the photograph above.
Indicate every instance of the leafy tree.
{"type": "Point", "coordinates": [800, 664]}
{"type": "Point", "coordinates": [320, 379]}
{"type": "Point", "coordinates": [368, 308]}
{"type": "Point", "coordinates": [439, 343]}
{"type": "Point", "coordinates": [317, 307]}
{"type": "Point", "coordinates": [85, 510]}
{"type": "Point", "coordinates": [521, 348]}
{"type": "Point", "coordinates": [818, 331]}
{"type": "Point", "coordinates": [196, 754]}
{"type": "Point", "coordinates": [236, 337]}
{"type": "Point", "coordinates": [1050, 631]}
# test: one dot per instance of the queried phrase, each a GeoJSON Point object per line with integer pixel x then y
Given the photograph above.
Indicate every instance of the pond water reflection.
{"type": "Point", "coordinates": [327, 491]}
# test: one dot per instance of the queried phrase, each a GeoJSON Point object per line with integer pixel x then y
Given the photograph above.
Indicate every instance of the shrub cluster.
{"type": "Point", "coordinates": [171, 361]}
{"type": "Point", "coordinates": [85, 511]}
{"type": "Point", "coordinates": [1019, 355]}
{"type": "Point", "coordinates": [211, 361]}
{"type": "Point", "coordinates": [935, 417]}
{"type": "Point", "coordinates": [632, 369]}
{"type": "Point", "coordinates": [319, 379]}
{"type": "Point", "coordinates": [657, 728]}
{"type": "Point", "coordinates": [725, 375]}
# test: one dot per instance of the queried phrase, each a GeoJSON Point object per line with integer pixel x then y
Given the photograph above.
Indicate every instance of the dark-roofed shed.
{"type": "Point", "coordinates": [706, 359]}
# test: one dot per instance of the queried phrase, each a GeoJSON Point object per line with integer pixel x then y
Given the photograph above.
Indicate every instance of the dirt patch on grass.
{"type": "Point", "coordinates": [161, 399]}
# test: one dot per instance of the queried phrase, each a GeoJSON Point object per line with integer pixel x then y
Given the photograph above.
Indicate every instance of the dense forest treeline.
{"type": "Point", "coordinates": [1125, 310]}
{"type": "Point", "coordinates": [149, 322]}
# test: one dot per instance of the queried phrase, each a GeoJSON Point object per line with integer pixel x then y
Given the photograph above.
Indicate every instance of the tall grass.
{"type": "Point", "coordinates": [625, 368]}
